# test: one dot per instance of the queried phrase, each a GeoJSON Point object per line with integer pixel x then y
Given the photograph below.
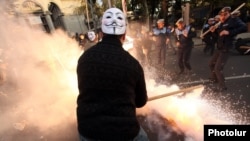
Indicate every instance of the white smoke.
{"type": "Point", "coordinates": [40, 87]}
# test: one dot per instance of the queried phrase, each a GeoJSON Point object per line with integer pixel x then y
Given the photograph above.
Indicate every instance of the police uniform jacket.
{"type": "Point", "coordinates": [185, 42]}
{"type": "Point", "coordinates": [160, 36]}
{"type": "Point", "coordinates": [208, 38]}
{"type": "Point", "coordinates": [234, 26]}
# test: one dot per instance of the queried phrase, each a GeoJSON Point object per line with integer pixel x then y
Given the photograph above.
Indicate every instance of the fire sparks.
{"type": "Point", "coordinates": [187, 113]}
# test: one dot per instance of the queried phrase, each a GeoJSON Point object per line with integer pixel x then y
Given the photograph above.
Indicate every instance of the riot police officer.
{"type": "Point", "coordinates": [184, 35]}
{"type": "Point", "coordinates": [160, 32]}
{"type": "Point", "coordinates": [209, 39]}
{"type": "Point", "coordinates": [225, 33]}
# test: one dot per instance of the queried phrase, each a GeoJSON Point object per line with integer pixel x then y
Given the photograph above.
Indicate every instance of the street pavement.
{"type": "Point", "coordinates": [236, 72]}
{"type": "Point", "coordinates": [236, 97]}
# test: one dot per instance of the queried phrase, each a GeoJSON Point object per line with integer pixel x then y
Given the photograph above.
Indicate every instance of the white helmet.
{"type": "Point", "coordinates": [91, 35]}
{"type": "Point", "coordinates": [113, 22]}
{"type": "Point", "coordinates": [181, 20]}
{"type": "Point", "coordinates": [160, 21]}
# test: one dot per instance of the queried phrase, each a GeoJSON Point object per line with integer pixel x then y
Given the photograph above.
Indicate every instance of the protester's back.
{"type": "Point", "coordinates": [111, 85]}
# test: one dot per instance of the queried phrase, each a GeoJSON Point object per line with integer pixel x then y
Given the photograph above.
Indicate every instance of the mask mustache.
{"type": "Point", "coordinates": [114, 24]}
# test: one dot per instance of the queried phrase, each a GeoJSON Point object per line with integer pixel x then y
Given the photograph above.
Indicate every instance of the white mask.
{"type": "Point", "coordinates": [113, 22]}
{"type": "Point", "coordinates": [91, 35]}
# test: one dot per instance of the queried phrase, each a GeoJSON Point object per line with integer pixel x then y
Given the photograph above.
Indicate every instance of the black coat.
{"type": "Point", "coordinates": [234, 26]}
{"type": "Point", "coordinates": [209, 39]}
{"type": "Point", "coordinates": [111, 85]}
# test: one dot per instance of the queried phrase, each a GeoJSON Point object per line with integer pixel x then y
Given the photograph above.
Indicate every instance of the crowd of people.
{"type": "Point", "coordinates": [150, 45]}
{"type": "Point", "coordinates": [221, 32]}
{"type": "Point", "coordinates": [148, 42]}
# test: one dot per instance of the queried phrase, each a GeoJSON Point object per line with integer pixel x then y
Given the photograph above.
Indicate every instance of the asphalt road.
{"type": "Point", "coordinates": [236, 97]}
{"type": "Point", "coordinates": [236, 72]}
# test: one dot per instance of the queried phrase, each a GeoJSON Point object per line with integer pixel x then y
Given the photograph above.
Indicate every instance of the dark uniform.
{"type": "Point", "coordinates": [160, 43]}
{"type": "Point", "coordinates": [233, 26]}
{"type": "Point", "coordinates": [209, 39]}
{"type": "Point", "coordinates": [185, 45]}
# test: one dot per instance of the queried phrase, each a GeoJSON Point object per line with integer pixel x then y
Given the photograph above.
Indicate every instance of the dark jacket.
{"type": "Point", "coordinates": [234, 26]}
{"type": "Point", "coordinates": [185, 42]}
{"type": "Point", "coordinates": [112, 85]}
{"type": "Point", "coordinates": [209, 39]}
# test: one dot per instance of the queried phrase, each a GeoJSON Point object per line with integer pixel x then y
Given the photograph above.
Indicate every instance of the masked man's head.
{"type": "Point", "coordinates": [113, 22]}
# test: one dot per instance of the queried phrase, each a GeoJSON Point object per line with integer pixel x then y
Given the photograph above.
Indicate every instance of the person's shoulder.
{"type": "Point", "coordinates": [88, 49]}
{"type": "Point", "coordinates": [131, 58]}
{"type": "Point", "coordinates": [238, 20]}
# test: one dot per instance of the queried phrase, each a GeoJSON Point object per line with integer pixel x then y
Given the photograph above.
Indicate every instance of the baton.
{"type": "Point", "coordinates": [189, 89]}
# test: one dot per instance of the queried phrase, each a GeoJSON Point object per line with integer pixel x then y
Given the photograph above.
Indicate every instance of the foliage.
{"type": "Point", "coordinates": [155, 8]}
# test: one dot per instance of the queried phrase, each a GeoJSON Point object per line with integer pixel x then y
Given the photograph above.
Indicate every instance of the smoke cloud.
{"type": "Point", "coordinates": [39, 89]}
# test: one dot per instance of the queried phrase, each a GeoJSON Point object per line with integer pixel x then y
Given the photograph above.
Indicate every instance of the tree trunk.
{"type": "Point", "coordinates": [146, 13]}
{"type": "Point", "coordinates": [165, 11]}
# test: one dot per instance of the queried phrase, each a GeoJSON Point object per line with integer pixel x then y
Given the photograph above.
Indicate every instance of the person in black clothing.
{"type": "Point", "coordinates": [111, 86]}
{"type": "Point", "coordinates": [209, 39]}
{"type": "Point", "coordinates": [225, 34]}
{"type": "Point", "coordinates": [184, 35]}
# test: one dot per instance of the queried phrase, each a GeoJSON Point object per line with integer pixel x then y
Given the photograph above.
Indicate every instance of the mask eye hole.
{"type": "Point", "coordinates": [120, 18]}
{"type": "Point", "coordinates": [108, 17]}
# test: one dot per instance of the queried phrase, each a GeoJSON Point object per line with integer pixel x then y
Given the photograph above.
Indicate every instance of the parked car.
{"type": "Point", "coordinates": [242, 43]}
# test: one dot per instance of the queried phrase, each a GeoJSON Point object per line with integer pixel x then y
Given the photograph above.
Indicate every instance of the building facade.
{"type": "Point", "coordinates": [52, 15]}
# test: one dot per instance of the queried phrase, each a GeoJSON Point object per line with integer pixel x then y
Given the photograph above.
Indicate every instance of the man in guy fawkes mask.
{"type": "Point", "coordinates": [92, 39]}
{"type": "Point", "coordinates": [111, 86]}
